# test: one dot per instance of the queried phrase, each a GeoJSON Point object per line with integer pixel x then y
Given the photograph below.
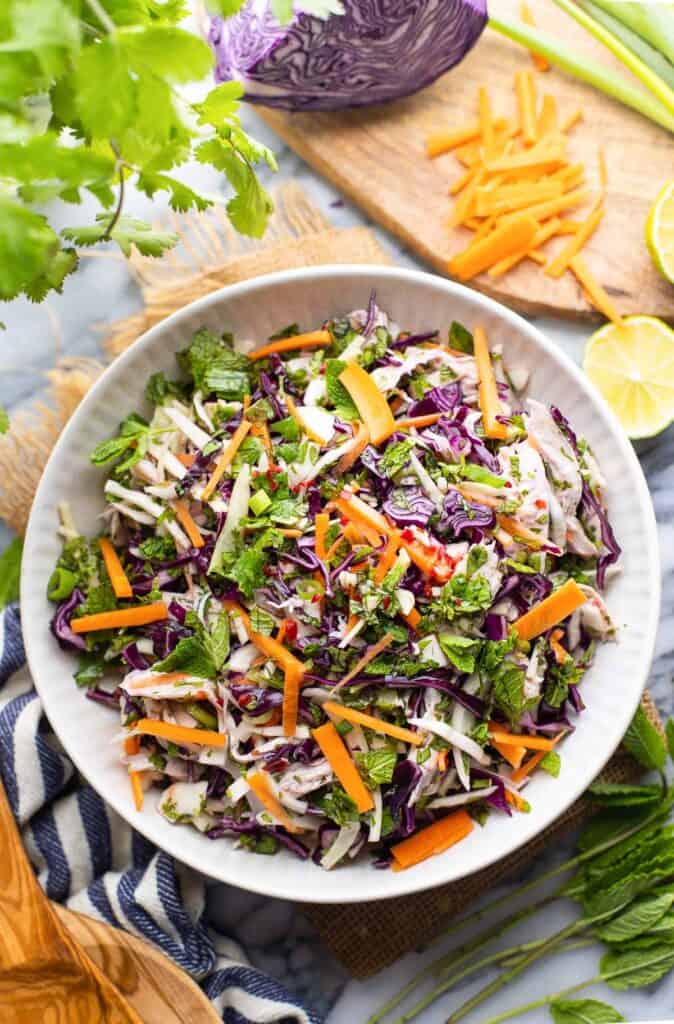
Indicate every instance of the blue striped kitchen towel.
{"type": "Point", "coordinates": [91, 860]}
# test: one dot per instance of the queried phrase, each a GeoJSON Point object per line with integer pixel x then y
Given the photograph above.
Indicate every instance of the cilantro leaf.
{"type": "Point", "coordinates": [127, 231]}
{"type": "Point", "coordinates": [220, 103]}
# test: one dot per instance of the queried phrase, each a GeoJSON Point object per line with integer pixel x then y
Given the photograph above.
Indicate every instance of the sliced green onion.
{"type": "Point", "coordinates": [585, 69]}
{"type": "Point", "coordinates": [647, 53]}
{"type": "Point", "coordinates": [202, 715]}
{"type": "Point", "coordinates": [259, 502]}
{"type": "Point", "coordinates": [61, 584]}
{"type": "Point", "coordinates": [652, 81]}
{"type": "Point", "coordinates": [654, 22]}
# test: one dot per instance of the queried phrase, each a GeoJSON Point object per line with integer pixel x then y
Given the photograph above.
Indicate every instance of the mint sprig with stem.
{"type": "Point", "coordinates": [623, 879]}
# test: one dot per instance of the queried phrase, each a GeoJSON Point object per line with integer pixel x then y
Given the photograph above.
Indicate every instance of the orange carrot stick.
{"type": "Point", "coordinates": [118, 578]}
{"type": "Point", "coordinates": [387, 559]}
{"type": "Point", "coordinates": [561, 654]}
{"type": "Point", "coordinates": [370, 654]}
{"type": "Point", "coordinates": [187, 458]}
{"type": "Point", "coordinates": [539, 60]}
{"type": "Point", "coordinates": [179, 733]}
{"type": "Point", "coordinates": [509, 739]}
{"type": "Point", "coordinates": [343, 766]}
{"type": "Point", "coordinates": [434, 839]}
{"type": "Point", "coordinates": [594, 291]}
{"type": "Point", "coordinates": [486, 121]}
{"type": "Point", "coordinates": [513, 755]}
{"type": "Point", "coordinates": [526, 101]}
{"type": "Point", "coordinates": [188, 524]}
{"type": "Point", "coordinates": [512, 235]}
{"type": "Point", "coordinates": [550, 611]}
{"type": "Point", "coordinates": [138, 615]}
{"type": "Point", "coordinates": [135, 778]}
{"type": "Point", "coordinates": [413, 618]}
{"type": "Point", "coordinates": [488, 393]}
{"type": "Point", "coordinates": [521, 533]}
{"type": "Point", "coordinates": [419, 421]}
{"type": "Point", "coordinates": [260, 785]}
{"type": "Point", "coordinates": [515, 800]}
{"type": "Point", "coordinates": [322, 522]}
{"type": "Point", "coordinates": [373, 408]}
{"type": "Point", "coordinates": [131, 745]}
{"type": "Point", "coordinates": [560, 263]}
{"type": "Point", "coordinates": [314, 339]}
{"type": "Point", "coordinates": [159, 679]}
{"type": "Point", "coordinates": [443, 142]}
{"type": "Point", "coordinates": [296, 415]}
{"type": "Point", "coordinates": [533, 762]}
{"type": "Point", "coordinates": [371, 722]}
{"type": "Point", "coordinates": [225, 459]}
{"type": "Point", "coordinates": [361, 443]}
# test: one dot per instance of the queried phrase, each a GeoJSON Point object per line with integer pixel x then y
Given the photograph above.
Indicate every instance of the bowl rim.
{"type": "Point", "coordinates": [402, 883]}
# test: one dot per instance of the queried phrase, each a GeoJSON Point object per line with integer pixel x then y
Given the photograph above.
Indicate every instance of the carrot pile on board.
{"type": "Point", "coordinates": [518, 190]}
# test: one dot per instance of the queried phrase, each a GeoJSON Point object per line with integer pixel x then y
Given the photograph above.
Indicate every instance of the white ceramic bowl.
{"type": "Point", "coordinates": [254, 310]}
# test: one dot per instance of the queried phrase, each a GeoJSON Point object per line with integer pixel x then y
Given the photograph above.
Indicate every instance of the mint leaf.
{"type": "Point", "coordinates": [643, 741]}
{"type": "Point", "coordinates": [213, 365]}
{"type": "Point", "coordinates": [639, 917]}
{"type": "Point", "coordinates": [462, 651]}
{"type": "Point", "coordinates": [460, 338]}
{"type": "Point", "coordinates": [10, 572]}
{"type": "Point", "coordinates": [338, 396]}
{"type": "Point", "coordinates": [190, 656]}
{"type": "Point", "coordinates": [377, 766]}
{"type": "Point", "coordinates": [218, 641]}
{"type": "Point", "coordinates": [396, 456]}
{"type": "Point", "coordinates": [619, 794]}
{"type": "Point", "coordinates": [636, 968]}
{"type": "Point", "coordinates": [508, 691]}
{"type": "Point", "coordinates": [90, 668]}
{"type": "Point", "coordinates": [551, 763]}
{"type": "Point", "coordinates": [583, 1011]}
{"type": "Point", "coordinates": [338, 806]}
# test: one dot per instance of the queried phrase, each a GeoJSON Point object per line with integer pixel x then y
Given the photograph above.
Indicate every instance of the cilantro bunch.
{"type": "Point", "coordinates": [93, 98]}
{"type": "Point", "coordinates": [622, 881]}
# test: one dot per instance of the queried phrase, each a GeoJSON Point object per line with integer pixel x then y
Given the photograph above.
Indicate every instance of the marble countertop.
{"type": "Point", "coordinates": [276, 935]}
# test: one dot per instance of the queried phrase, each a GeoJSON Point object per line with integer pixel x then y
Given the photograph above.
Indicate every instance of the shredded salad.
{"type": "Point", "coordinates": [347, 586]}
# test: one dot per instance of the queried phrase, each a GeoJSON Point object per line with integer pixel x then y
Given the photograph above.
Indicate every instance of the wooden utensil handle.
{"type": "Point", "coordinates": [42, 969]}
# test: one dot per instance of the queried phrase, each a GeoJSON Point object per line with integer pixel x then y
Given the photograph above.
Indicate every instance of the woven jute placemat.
{"type": "Point", "coordinates": [364, 937]}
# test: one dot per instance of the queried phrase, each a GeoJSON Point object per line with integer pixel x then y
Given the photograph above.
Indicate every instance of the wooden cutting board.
{"type": "Point", "coordinates": [376, 157]}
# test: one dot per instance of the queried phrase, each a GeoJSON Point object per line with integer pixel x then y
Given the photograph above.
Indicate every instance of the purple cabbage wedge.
{"type": "Point", "coordinates": [364, 52]}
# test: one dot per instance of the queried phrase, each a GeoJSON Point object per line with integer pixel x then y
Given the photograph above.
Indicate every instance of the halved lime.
{"type": "Point", "coordinates": [660, 232]}
{"type": "Point", "coordinates": [633, 367]}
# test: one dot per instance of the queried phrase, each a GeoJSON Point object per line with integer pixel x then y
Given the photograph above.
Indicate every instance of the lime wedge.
{"type": "Point", "coordinates": [660, 232]}
{"type": "Point", "coordinates": [633, 368]}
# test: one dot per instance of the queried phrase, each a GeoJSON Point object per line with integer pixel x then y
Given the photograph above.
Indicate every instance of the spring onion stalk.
{"type": "Point", "coordinates": [653, 22]}
{"type": "Point", "coordinates": [585, 69]}
{"type": "Point", "coordinates": [647, 77]}
{"type": "Point", "coordinates": [647, 53]}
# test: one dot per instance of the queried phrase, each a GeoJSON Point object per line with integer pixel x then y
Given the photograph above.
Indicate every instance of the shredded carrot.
{"type": "Point", "coordinates": [509, 198]}
{"type": "Point", "coordinates": [289, 532]}
{"type": "Point", "coordinates": [433, 839]}
{"type": "Point", "coordinates": [551, 611]}
{"type": "Point", "coordinates": [568, 227]}
{"type": "Point", "coordinates": [571, 177]}
{"type": "Point", "coordinates": [443, 142]}
{"type": "Point", "coordinates": [261, 430]}
{"type": "Point", "coordinates": [188, 524]}
{"type": "Point", "coordinates": [572, 120]}
{"type": "Point", "coordinates": [362, 514]}
{"type": "Point", "coordinates": [508, 739]}
{"type": "Point", "coordinates": [463, 208]}
{"type": "Point", "coordinates": [292, 681]}
{"type": "Point", "coordinates": [370, 402]}
{"type": "Point", "coordinates": [179, 733]}
{"type": "Point", "coordinates": [486, 123]}
{"type": "Point", "coordinates": [533, 762]}
{"type": "Point", "coordinates": [314, 339]}
{"type": "Point", "coordinates": [281, 632]}
{"type": "Point", "coordinates": [138, 615]}
{"type": "Point", "coordinates": [560, 652]}
{"type": "Point", "coordinates": [343, 765]}
{"type": "Point", "coordinates": [527, 17]}
{"type": "Point", "coordinates": [512, 754]}
{"type": "Point", "coordinates": [553, 207]}
{"type": "Point", "coordinates": [594, 290]}
{"type": "Point", "coordinates": [118, 578]}
{"type": "Point", "coordinates": [560, 263]}
{"type": "Point", "coordinates": [246, 402]}
{"type": "Point", "coordinates": [548, 156]}
{"type": "Point", "coordinates": [461, 181]}
{"type": "Point", "coordinates": [187, 458]}
{"type": "Point", "coordinates": [322, 522]}
{"type": "Point", "coordinates": [371, 722]}
{"type": "Point", "coordinates": [547, 119]}
{"type": "Point", "coordinates": [370, 654]}
{"type": "Point", "coordinates": [261, 786]}
{"type": "Point", "coordinates": [537, 257]}
{"type": "Point", "coordinates": [419, 421]}
{"type": "Point", "coordinates": [136, 780]}
{"type": "Point", "coordinates": [509, 237]}
{"type": "Point", "coordinates": [413, 618]}
{"type": "Point", "coordinates": [132, 745]}
{"type": "Point", "coordinates": [515, 800]}
{"type": "Point", "coordinates": [361, 442]}
{"type": "Point", "coordinates": [522, 533]}
{"type": "Point", "coordinates": [526, 101]}
{"type": "Point", "coordinates": [225, 459]}
{"type": "Point", "coordinates": [488, 393]}
{"type": "Point", "coordinates": [541, 236]}
{"type": "Point", "coordinates": [387, 559]}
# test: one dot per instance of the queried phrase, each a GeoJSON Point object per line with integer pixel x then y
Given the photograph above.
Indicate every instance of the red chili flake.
{"type": "Point", "coordinates": [508, 483]}
{"type": "Point", "coordinates": [273, 486]}
{"type": "Point", "coordinates": [291, 629]}
{"type": "Point", "coordinates": [386, 602]}
{"type": "Point", "coordinates": [540, 503]}
{"type": "Point", "coordinates": [322, 369]}
{"type": "Point", "coordinates": [428, 590]}
{"type": "Point", "coordinates": [408, 534]}
{"type": "Point", "coordinates": [343, 520]}
{"type": "Point", "coordinates": [357, 598]}
{"type": "Point", "coordinates": [316, 598]}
